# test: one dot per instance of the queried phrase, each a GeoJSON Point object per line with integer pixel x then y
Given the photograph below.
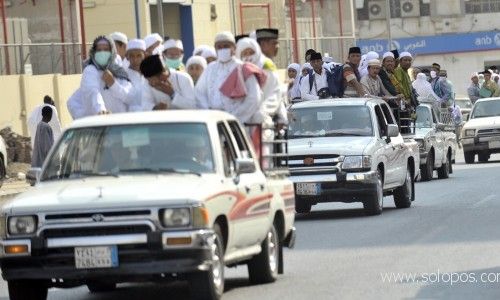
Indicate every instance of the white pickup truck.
{"type": "Point", "coordinates": [147, 197]}
{"type": "Point", "coordinates": [350, 150]}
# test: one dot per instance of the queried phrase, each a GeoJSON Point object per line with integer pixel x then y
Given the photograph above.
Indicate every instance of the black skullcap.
{"type": "Point", "coordinates": [241, 36]}
{"type": "Point", "coordinates": [267, 33]}
{"type": "Point", "coordinates": [316, 56]}
{"type": "Point", "coordinates": [396, 53]}
{"type": "Point", "coordinates": [151, 66]}
{"type": "Point", "coordinates": [354, 50]}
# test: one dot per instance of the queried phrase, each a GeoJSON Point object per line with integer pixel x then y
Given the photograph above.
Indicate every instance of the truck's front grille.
{"type": "Point", "coordinates": [93, 231]}
{"type": "Point", "coordinates": [489, 132]}
{"type": "Point", "coordinates": [314, 164]}
{"type": "Point", "coordinates": [89, 215]}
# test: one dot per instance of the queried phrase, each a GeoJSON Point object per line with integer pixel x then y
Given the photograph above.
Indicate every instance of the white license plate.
{"type": "Point", "coordinates": [96, 257]}
{"type": "Point", "coordinates": [308, 188]}
{"type": "Point", "coordinates": [494, 144]}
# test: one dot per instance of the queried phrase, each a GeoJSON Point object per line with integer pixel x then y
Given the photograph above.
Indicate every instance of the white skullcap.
{"type": "Point", "coordinates": [372, 55]}
{"type": "Point", "coordinates": [387, 54]}
{"type": "Point", "coordinates": [152, 38]}
{"type": "Point", "coordinates": [136, 44]}
{"type": "Point", "coordinates": [158, 50]}
{"type": "Point", "coordinates": [474, 75]}
{"type": "Point", "coordinates": [405, 54]}
{"type": "Point", "coordinates": [120, 37]}
{"type": "Point", "coordinates": [199, 50]}
{"type": "Point", "coordinates": [374, 62]}
{"type": "Point", "coordinates": [209, 52]}
{"type": "Point", "coordinates": [225, 36]}
{"type": "Point", "coordinates": [197, 60]}
{"type": "Point", "coordinates": [171, 43]}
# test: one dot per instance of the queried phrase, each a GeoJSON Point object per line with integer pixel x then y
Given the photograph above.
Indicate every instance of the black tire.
{"type": "Point", "coordinates": [444, 170]}
{"type": "Point", "coordinates": [427, 170]}
{"type": "Point", "coordinates": [483, 157]}
{"type": "Point", "coordinates": [469, 157]}
{"type": "Point", "coordinates": [263, 268]}
{"type": "Point", "coordinates": [302, 206]}
{"type": "Point", "coordinates": [3, 172]}
{"type": "Point", "coordinates": [374, 204]}
{"type": "Point", "coordinates": [210, 284]}
{"type": "Point", "coordinates": [403, 195]}
{"type": "Point", "coordinates": [96, 287]}
{"type": "Point", "coordinates": [27, 289]}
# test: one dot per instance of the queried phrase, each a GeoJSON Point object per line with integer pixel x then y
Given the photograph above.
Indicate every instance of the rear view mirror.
{"type": "Point", "coordinates": [33, 176]}
{"type": "Point", "coordinates": [244, 166]}
{"type": "Point", "coordinates": [392, 130]}
{"type": "Point", "coordinates": [466, 117]}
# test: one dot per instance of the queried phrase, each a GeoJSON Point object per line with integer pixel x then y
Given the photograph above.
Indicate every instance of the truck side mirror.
{"type": "Point", "coordinates": [33, 176]}
{"type": "Point", "coordinates": [440, 126]}
{"type": "Point", "coordinates": [392, 130]}
{"type": "Point", "coordinates": [244, 166]}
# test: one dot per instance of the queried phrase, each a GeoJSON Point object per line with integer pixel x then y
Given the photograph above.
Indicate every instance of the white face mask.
{"type": "Point", "coordinates": [433, 74]}
{"type": "Point", "coordinates": [224, 55]}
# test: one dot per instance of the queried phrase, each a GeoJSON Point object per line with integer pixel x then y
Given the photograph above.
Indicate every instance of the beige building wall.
{"type": "Point", "coordinates": [10, 115]}
{"type": "Point", "coordinates": [204, 28]}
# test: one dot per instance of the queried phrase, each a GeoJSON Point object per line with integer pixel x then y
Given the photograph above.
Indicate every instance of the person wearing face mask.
{"type": "Point", "coordinates": [166, 88]}
{"type": "Point", "coordinates": [136, 52]}
{"type": "Point", "coordinates": [173, 53]}
{"type": "Point", "coordinates": [121, 41]}
{"type": "Point", "coordinates": [104, 85]}
{"type": "Point", "coordinates": [195, 67]}
{"type": "Point", "coordinates": [441, 87]}
{"type": "Point", "coordinates": [211, 92]}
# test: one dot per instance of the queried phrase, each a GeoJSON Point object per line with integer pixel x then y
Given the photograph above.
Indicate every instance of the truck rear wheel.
{"type": "Point", "coordinates": [427, 170]}
{"type": "Point", "coordinates": [302, 205]}
{"type": "Point", "coordinates": [27, 289]}
{"type": "Point", "coordinates": [210, 284]}
{"type": "Point", "coordinates": [263, 268]}
{"type": "Point", "coordinates": [483, 157]}
{"type": "Point", "coordinates": [404, 194]}
{"type": "Point", "coordinates": [444, 170]}
{"type": "Point", "coordinates": [469, 157]}
{"type": "Point", "coordinates": [373, 204]}
{"type": "Point", "coordinates": [3, 172]}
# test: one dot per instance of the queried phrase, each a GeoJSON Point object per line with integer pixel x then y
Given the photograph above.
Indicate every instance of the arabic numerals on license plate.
{"type": "Point", "coordinates": [96, 257]}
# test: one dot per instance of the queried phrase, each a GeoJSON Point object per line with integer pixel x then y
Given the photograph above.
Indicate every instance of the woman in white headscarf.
{"type": "Point", "coordinates": [195, 67]}
{"type": "Point", "coordinates": [424, 88]}
{"type": "Point", "coordinates": [363, 67]}
{"type": "Point", "coordinates": [294, 84]}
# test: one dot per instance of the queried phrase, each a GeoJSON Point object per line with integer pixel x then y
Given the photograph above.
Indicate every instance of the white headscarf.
{"type": "Point", "coordinates": [363, 67]}
{"type": "Point", "coordinates": [306, 66]}
{"type": "Point", "coordinates": [424, 88]}
{"type": "Point", "coordinates": [294, 92]}
{"type": "Point", "coordinates": [197, 60]}
{"type": "Point", "coordinates": [199, 50]}
{"type": "Point", "coordinates": [246, 43]}
{"type": "Point", "coordinates": [209, 52]}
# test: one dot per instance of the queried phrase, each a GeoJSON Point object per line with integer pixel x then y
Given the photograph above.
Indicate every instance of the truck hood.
{"type": "Point", "coordinates": [348, 145]}
{"type": "Point", "coordinates": [483, 123]}
{"type": "Point", "coordinates": [108, 193]}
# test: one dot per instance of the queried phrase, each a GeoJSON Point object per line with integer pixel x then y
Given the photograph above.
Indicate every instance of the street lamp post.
{"type": "Point", "coordinates": [388, 21]}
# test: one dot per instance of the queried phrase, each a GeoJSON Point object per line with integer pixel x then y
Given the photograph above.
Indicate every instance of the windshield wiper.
{"type": "Point", "coordinates": [161, 170]}
{"type": "Point", "coordinates": [344, 134]}
{"type": "Point", "coordinates": [92, 174]}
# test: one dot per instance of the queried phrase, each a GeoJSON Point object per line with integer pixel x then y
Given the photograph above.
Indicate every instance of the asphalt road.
{"type": "Point", "coordinates": [450, 233]}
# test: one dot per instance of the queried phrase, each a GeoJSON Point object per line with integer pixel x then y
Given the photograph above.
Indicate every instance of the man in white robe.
{"type": "Point", "coordinates": [136, 52]}
{"type": "Point", "coordinates": [121, 41]}
{"type": "Point", "coordinates": [165, 88]}
{"type": "Point", "coordinates": [208, 88]}
{"type": "Point", "coordinates": [36, 117]}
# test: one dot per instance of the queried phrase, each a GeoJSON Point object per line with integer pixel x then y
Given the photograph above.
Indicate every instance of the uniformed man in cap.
{"type": "Point", "coordinates": [353, 87]}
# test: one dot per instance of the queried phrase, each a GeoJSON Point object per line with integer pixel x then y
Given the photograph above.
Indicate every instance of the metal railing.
{"type": "Point", "coordinates": [41, 58]}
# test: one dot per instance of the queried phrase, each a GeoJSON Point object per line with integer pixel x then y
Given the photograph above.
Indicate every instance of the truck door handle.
{"type": "Point", "coordinates": [262, 187]}
{"type": "Point", "coordinates": [247, 189]}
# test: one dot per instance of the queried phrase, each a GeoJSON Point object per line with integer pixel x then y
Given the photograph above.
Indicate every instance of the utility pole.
{"type": "Point", "coordinates": [388, 23]}
{"type": "Point", "coordinates": [137, 19]}
{"type": "Point", "coordinates": [159, 6]}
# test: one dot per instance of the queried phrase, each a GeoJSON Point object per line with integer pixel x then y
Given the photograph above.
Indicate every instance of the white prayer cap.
{"type": "Point", "coordinates": [372, 55]}
{"type": "Point", "coordinates": [136, 44]}
{"type": "Point", "coordinates": [209, 52]}
{"type": "Point", "coordinates": [387, 54]}
{"type": "Point", "coordinates": [152, 38]}
{"type": "Point", "coordinates": [120, 37]}
{"type": "Point", "coordinates": [171, 43]}
{"type": "Point", "coordinates": [197, 60]}
{"type": "Point", "coordinates": [199, 50]}
{"type": "Point", "coordinates": [474, 75]}
{"type": "Point", "coordinates": [405, 54]}
{"type": "Point", "coordinates": [225, 36]}
{"type": "Point", "coordinates": [158, 50]}
{"type": "Point", "coordinates": [374, 62]}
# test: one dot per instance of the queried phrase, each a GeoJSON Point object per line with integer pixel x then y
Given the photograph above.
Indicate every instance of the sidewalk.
{"type": "Point", "coordinates": [11, 188]}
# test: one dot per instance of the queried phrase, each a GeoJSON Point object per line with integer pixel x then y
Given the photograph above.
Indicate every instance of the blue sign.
{"type": "Point", "coordinates": [449, 43]}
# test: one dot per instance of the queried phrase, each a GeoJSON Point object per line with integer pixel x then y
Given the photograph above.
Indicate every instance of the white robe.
{"type": "Point", "coordinates": [273, 101]}
{"type": "Point", "coordinates": [135, 95]}
{"type": "Point", "coordinates": [184, 96]}
{"type": "Point", "coordinates": [36, 117]}
{"type": "Point", "coordinates": [95, 97]}
{"type": "Point", "coordinates": [209, 96]}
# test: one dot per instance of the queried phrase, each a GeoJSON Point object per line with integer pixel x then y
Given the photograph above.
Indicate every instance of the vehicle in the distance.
{"type": "Point", "coordinates": [436, 140]}
{"type": "Point", "coordinates": [465, 105]}
{"type": "Point", "coordinates": [147, 197]}
{"type": "Point", "coordinates": [481, 134]}
{"type": "Point", "coordinates": [349, 150]}
{"type": "Point", "coordinates": [3, 160]}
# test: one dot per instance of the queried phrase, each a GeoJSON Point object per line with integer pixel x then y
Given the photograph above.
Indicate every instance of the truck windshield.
{"type": "Point", "coordinates": [330, 121]}
{"type": "Point", "coordinates": [424, 117]}
{"type": "Point", "coordinates": [146, 148]}
{"type": "Point", "coordinates": [486, 109]}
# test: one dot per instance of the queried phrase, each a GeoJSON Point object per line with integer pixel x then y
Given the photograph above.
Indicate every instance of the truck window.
{"type": "Point", "coordinates": [240, 139]}
{"type": "Point", "coordinates": [387, 114]}
{"type": "Point", "coordinates": [228, 152]}
{"type": "Point", "coordinates": [382, 125]}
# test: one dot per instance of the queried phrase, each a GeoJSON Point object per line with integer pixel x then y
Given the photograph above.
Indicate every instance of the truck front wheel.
{"type": "Point", "coordinates": [302, 205]}
{"type": "Point", "coordinates": [403, 194]}
{"type": "Point", "coordinates": [27, 289]}
{"type": "Point", "coordinates": [263, 268]}
{"type": "Point", "coordinates": [373, 204]}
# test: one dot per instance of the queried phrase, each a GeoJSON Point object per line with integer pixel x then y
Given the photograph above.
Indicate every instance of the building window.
{"type": "Point", "coordinates": [482, 6]}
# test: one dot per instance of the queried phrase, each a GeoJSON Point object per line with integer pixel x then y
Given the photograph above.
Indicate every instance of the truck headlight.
{"type": "Point", "coordinates": [469, 132]}
{"type": "Point", "coordinates": [421, 144]}
{"type": "Point", "coordinates": [357, 162]}
{"type": "Point", "coordinates": [22, 225]}
{"type": "Point", "coordinates": [176, 217]}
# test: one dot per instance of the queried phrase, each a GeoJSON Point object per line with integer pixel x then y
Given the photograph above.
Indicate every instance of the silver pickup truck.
{"type": "Point", "coordinates": [147, 197]}
{"type": "Point", "coordinates": [350, 150]}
